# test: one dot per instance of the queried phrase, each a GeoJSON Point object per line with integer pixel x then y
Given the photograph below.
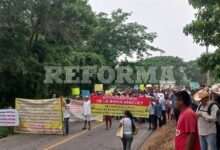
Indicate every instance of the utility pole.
{"type": "Point", "coordinates": [208, 72]}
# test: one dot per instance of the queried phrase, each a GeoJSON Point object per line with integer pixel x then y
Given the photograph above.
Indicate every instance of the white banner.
{"type": "Point", "coordinates": [76, 112]}
{"type": "Point", "coordinates": [9, 117]}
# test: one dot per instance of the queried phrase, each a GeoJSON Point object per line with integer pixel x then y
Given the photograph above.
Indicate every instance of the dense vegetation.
{"type": "Point", "coordinates": [3, 132]}
{"type": "Point", "coordinates": [34, 34]}
{"type": "Point", "coordinates": [205, 30]}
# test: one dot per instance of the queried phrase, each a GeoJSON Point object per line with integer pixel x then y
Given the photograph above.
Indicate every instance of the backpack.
{"type": "Point", "coordinates": [217, 122]}
{"type": "Point", "coordinates": [194, 107]}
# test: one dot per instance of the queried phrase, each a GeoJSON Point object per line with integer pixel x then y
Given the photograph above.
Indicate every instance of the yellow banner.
{"type": "Point", "coordinates": [118, 110]}
{"type": "Point", "coordinates": [40, 116]}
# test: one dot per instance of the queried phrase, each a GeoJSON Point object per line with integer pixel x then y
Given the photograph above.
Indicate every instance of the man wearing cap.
{"type": "Point", "coordinates": [206, 121]}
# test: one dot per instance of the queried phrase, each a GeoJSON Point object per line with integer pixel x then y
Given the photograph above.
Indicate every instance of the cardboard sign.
{"type": "Point", "coordinates": [141, 87]}
{"type": "Point", "coordinates": [85, 93]}
{"type": "Point", "coordinates": [194, 85]}
{"type": "Point", "coordinates": [75, 91]}
{"type": "Point", "coordinates": [136, 87]}
{"type": "Point", "coordinates": [108, 92]}
{"type": "Point", "coordinates": [98, 87]}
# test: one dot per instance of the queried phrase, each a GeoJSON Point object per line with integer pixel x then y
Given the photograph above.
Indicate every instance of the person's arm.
{"type": "Point", "coordinates": [190, 123]}
{"type": "Point", "coordinates": [190, 141]}
{"type": "Point", "coordinates": [212, 117]}
{"type": "Point", "coordinates": [120, 124]}
{"type": "Point", "coordinates": [83, 108]}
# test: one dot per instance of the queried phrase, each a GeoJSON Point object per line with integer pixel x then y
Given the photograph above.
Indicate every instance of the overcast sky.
{"type": "Point", "coordinates": [165, 17]}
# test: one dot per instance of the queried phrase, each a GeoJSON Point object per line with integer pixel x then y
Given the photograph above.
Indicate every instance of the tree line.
{"type": "Point", "coordinates": [38, 33]}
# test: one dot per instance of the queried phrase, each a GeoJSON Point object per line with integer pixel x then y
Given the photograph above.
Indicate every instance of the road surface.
{"type": "Point", "coordinates": [96, 139]}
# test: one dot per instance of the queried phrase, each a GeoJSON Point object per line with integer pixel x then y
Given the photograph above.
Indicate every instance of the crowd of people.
{"type": "Point", "coordinates": [199, 119]}
{"type": "Point", "coordinates": [195, 111]}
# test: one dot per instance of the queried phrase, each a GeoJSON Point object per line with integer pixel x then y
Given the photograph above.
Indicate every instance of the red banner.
{"type": "Point", "coordinates": [120, 100]}
{"type": "Point", "coordinates": [116, 105]}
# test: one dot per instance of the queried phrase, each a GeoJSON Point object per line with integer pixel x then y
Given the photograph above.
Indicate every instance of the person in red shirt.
{"type": "Point", "coordinates": [187, 136]}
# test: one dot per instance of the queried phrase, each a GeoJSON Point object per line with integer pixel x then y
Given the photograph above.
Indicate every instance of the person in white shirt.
{"type": "Point", "coordinates": [66, 115]}
{"type": "Point", "coordinates": [128, 128]}
{"type": "Point", "coordinates": [152, 115]}
{"type": "Point", "coordinates": [162, 102]}
{"type": "Point", "coordinates": [87, 112]}
{"type": "Point", "coordinates": [206, 120]}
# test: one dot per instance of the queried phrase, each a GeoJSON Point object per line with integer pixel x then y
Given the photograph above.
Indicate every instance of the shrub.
{"type": "Point", "coordinates": [3, 132]}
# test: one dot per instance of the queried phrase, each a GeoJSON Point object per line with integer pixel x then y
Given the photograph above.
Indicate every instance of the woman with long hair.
{"type": "Point", "coordinates": [128, 129]}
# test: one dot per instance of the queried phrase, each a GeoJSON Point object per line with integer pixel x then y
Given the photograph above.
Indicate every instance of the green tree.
{"type": "Point", "coordinates": [178, 64]}
{"type": "Point", "coordinates": [114, 37]}
{"type": "Point", "coordinates": [211, 62]}
{"type": "Point", "coordinates": [194, 72]}
{"type": "Point", "coordinates": [37, 33]}
{"type": "Point", "coordinates": [205, 28]}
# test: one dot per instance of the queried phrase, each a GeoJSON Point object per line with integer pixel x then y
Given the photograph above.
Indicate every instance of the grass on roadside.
{"type": "Point", "coordinates": [161, 139]}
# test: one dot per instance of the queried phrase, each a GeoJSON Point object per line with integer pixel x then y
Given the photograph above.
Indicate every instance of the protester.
{"type": "Point", "coordinates": [108, 122]}
{"type": "Point", "coordinates": [194, 104]}
{"type": "Point", "coordinates": [173, 102]}
{"type": "Point", "coordinates": [87, 112]}
{"type": "Point", "coordinates": [157, 114]}
{"type": "Point", "coordinates": [53, 94]}
{"type": "Point", "coordinates": [162, 102]}
{"type": "Point", "coordinates": [206, 120]}
{"type": "Point", "coordinates": [187, 137]}
{"type": "Point", "coordinates": [128, 128]}
{"type": "Point", "coordinates": [169, 103]}
{"type": "Point", "coordinates": [152, 115]}
{"type": "Point", "coordinates": [66, 115]}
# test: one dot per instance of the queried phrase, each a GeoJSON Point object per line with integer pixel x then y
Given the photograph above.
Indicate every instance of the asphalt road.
{"type": "Point", "coordinates": [96, 139]}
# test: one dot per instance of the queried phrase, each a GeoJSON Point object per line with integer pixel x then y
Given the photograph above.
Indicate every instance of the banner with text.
{"type": "Point", "coordinates": [39, 116]}
{"type": "Point", "coordinates": [9, 117]}
{"type": "Point", "coordinates": [77, 110]}
{"type": "Point", "coordinates": [116, 105]}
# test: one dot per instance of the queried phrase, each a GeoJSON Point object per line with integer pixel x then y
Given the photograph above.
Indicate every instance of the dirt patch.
{"type": "Point", "coordinates": [161, 139]}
